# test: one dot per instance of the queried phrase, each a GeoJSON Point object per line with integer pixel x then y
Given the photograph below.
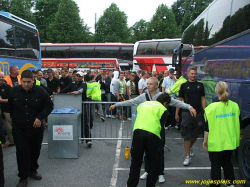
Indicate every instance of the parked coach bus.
{"type": "Point", "coordinates": [158, 52]}
{"type": "Point", "coordinates": [117, 56]}
{"type": "Point", "coordinates": [19, 44]}
{"type": "Point", "coordinates": [226, 34]}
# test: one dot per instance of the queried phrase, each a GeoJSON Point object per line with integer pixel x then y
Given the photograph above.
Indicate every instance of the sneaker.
{"type": "Point", "coordinates": [22, 183]}
{"type": "Point", "coordinates": [129, 119]}
{"type": "Point", "coordinates": [166, 128]}
{"type": "Point", "coordinates": [187, 161]}
{"type": "Point", "coordinates": [113, 117]}
{"type": "Point", "coordinates": [161, 178]}
{"type": "Point", "coordinates": [107, 116]}
{"type": "Point", "coordinates": [144, 176]}
{"type": "Point", "coordinates": [35, 175]}
{"type": "Point", "coordinates": [89, 143]}
{"type": "Point", "coordinates": [176, 126]}
{"type": "Point", "coordinates": [191, 152]}
{"type": "Point", "coordinates": [102, 118]}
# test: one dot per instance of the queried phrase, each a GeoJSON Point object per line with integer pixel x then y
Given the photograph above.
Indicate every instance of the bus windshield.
{"type": "Point", "coordinates": [19, 44]}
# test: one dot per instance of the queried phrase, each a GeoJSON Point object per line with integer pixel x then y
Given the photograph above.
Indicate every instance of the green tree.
{"type": "Point", "coordinates": [139, 31]}
{"type": "Point", "coordinates": [186, 11]}
{"type": "Point", "coordinates": [112, 26]}
{"type": "Point", "coordinates": [22, 9]}
{"type": "Point", "coordinates": [163, 24]}
{"type": "Point", "coordinates": [5, 5]}
{"type": "Point", "coordinates": [67, 27]}
{"type": "Point", "coordinates": [45, 11]}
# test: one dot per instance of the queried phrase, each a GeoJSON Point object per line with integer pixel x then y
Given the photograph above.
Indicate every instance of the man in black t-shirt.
{"type": "Point", "coordinates": [193, 93]}
{"type": "Point", "coordinates": [65, 80]}
{"type": "Point", "coordinates": [52, 82]}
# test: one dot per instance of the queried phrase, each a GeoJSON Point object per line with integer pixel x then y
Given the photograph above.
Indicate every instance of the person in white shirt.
{"type": "Point", "coordinates": [143, 82]}
{"type": "Point", "coordinates": [168, 82]}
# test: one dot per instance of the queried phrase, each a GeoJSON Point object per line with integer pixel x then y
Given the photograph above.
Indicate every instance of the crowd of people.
{"type": "Point", "coordinates": [26, 102]}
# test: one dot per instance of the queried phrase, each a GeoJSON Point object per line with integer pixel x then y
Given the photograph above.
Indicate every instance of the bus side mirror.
{"type": "Point", "coordinates": [174, 59]}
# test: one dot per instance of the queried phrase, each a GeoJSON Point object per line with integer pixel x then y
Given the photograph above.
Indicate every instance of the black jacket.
{"type": "Point", "coordinates": [81, 87]}
{"type": "Point", "coordinates": [25, 106]}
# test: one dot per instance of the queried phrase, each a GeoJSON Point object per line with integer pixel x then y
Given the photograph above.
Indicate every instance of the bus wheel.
{"type": "Point", "coordinates": [244, 156]}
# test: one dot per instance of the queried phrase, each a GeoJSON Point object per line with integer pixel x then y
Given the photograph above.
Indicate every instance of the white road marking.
{"type": "Point", "coordinates": [176, 168]}
{"type": "Point", "coordinates": [117, 157]}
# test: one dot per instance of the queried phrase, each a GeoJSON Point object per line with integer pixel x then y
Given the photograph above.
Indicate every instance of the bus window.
{"type": "Point", "coordinates": [6, 39]}
{"type": "Point", "coordinates": [26, 40]}
{"type": "Point", "coordinates": [167, 48]}
{"type": "Point", "coordinates": [147, 48]}
{"type": "Point", "coordinates": [106, 51]}
{"type": "Point", "coordinates": [57, 52]}
{"type": "Point", "coordinates": [81, 51]}
{"type": "Point", "coordinates": [126, 53]}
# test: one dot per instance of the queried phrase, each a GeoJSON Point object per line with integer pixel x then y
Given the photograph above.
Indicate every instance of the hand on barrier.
{"type": "Point", "coordinates": [112, 107]}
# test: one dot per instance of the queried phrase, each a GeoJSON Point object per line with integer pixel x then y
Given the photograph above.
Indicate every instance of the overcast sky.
{"type": "Point", "coordinates": [134, 9]}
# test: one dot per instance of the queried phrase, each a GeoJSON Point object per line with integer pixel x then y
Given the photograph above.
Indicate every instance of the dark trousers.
{"type": "Point", "coordinates": [149, 143]}
{"type": "Point", "coordinates": [88, 121]}
{"type": "Point", "coordinates": [1, 167]}
{"type": "Point", "coordinates": [218, 160]}
{"type": "Point", "coordinates": [28, 145]}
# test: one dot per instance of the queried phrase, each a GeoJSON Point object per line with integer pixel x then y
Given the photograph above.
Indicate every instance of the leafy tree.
{"type": "Point", "coordinates": [5, 5]}
{"type": "Point", "coordinates": [22, 9]}
{"type": "Point", "coordinates": [186, 11]}
{"type": "Point", "coordinates": [67, 26]}
{"type": "Point", "coordinates": [112, 26]}
{"type": "Point", "coordinates": [45, 15]}
{"type": "Point", "coordinates": [163, 24]}
{"type": "Point", "coordinates": [139, 30]}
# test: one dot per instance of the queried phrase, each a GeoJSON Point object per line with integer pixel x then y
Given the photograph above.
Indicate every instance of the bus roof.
{"type": "Point", "coordinates": [17, 19]}
{"type": "Point", "coordinates": [160, 40]}
{"type": "Point", "coordinates": [80, 44]}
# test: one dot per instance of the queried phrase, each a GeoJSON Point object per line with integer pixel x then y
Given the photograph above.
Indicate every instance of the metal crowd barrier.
{"type": "Point", "coordinates": [101, 124]}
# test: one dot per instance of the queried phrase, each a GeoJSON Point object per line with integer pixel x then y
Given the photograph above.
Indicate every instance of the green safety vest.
{"type": "Point", "coordinates": [148, 117]}
{"type": "Point", "coordinates": [176, 87]}
{"type": "Point", "coordinates": [224, 126]}
{"type": "Point", "coordinates": [209, 86]}
{"type": "Point", "coordinates": [90, 87]}
{"type": "Point", "coordinates": [97, 93]}
{"type": "Point", "coordinates": [123, 86]}
{"type": "Point", "coordinates": [38, 83]}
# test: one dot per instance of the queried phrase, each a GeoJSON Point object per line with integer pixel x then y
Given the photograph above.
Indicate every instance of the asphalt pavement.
{"type": "Point", "coordinates": [104, 165]}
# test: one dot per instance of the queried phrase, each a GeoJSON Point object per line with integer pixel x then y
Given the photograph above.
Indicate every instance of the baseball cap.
{"type": "Point", "coordinates": [80, 73]}
{"type": "Point", "coordinates": [34, 71]}
{"type": "Point", "coordinates": [49, 70]}
{"type": "Point", "coordinates": [171, 70]}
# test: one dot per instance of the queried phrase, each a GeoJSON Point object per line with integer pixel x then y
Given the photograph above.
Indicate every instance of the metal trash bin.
{"type": "Point", "coordinates": [64, 129]}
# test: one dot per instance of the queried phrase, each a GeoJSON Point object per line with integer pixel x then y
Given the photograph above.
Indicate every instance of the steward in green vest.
{"type": "Point", "coordinates": [224, 126]}
{"type": "Point", "coordinates": [176, 87]}
{"type": "Point", "coordinates": [150, 120]}
{"type": "Point", "coordinates": [90, 87]}
{"type": "Point", "coordinates": [222, 134]}
{"type": "Point", "coordinates": [96, 93]}
{"type": "Point", "coordinates": [209, 85]}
